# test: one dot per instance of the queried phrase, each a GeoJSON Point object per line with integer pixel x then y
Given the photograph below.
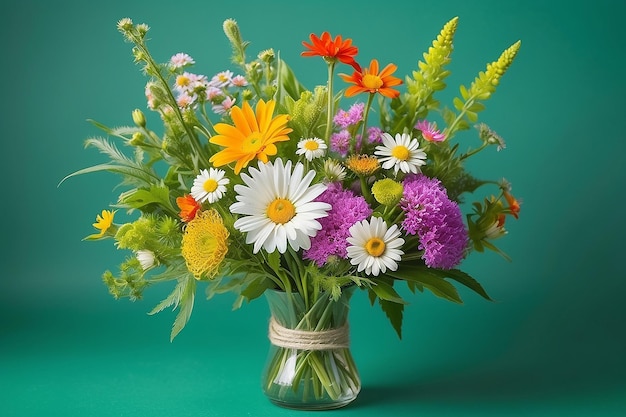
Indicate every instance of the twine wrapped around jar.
{"type": "Point", "coordinates": [330, 339]}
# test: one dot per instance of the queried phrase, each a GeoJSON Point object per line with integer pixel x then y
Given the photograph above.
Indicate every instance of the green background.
{"type": "Point", "coordinates": [553, 342]}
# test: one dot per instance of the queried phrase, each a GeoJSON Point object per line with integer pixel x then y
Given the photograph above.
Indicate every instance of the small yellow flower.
{"type": "Point", "coordinates": [104, 221]}
{"type": "Point", "coordinates": [363, 165]}
{"type": "Point", "coordinates": [205, 244]}
{"type": "Point", "coordinates": [387, 191]}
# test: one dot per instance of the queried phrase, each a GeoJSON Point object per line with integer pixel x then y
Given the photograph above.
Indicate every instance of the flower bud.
{"type": "Point", "coordinates": [146, 258]}
{"type": "Point", "coordinates": [142, 29]}
{"type": "Point", "coordinates": [137, 139]}
{"type": "Point", "coordinates": [139, 118]}
{"type": "Point", "coordinates": [267, 55]}
{"type": "Point", "coordinates": [125, 24]}
{"type": "Point", "coordinates": [231, 29]}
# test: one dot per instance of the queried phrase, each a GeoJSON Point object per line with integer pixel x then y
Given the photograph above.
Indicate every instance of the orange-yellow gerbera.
{"type": "Point", "coordinates": [329, 48]}
{"type": "Point", "coordinates": [188, 207]}
{"type": "Point", "coordinates": [371, 81]}
{"type": "Point", "coordinates": [252, 135]}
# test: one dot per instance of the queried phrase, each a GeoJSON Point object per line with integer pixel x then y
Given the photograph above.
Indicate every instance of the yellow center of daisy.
{"type": "Point", "coordinates": [375, 247]}
{"type": "Point", "coordinates": [182, 81]}
{"type": "Point", "coordinates": [373, 82]}
{"type": "Point", "coordinates": [311, 145]}
{"type": "Point", "coordinates": [281, 211]}
{"type": "Point", "coordinates": [400, 152]}
{"type": "Point", "coordinates": [253, 143]}
{"type": "Point", "coordinates": [210, 185]}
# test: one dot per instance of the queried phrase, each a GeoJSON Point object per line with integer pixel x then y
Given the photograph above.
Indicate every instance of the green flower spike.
{"type": "Point", "coordinates": [481, 89]}
{"type": "Point", "coordinates": [425, 82]}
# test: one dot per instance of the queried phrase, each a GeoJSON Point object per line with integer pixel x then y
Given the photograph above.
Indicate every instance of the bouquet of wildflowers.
{"type": "Point", "coordinates": [255, 182]}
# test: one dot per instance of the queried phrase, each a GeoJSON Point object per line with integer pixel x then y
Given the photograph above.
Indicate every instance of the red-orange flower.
{"type": "Point", "coordinates": [188, 207]}
{"type": "Point", "coordinates": [370, 80]}
{"type": "Point", "coordinates": [514, 205]}
{"type": "Point", "coordinates": [329, 48]}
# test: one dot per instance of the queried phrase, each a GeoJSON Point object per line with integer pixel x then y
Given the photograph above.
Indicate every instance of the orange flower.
{"type": "Point", "coordinates": [371, 81]}
{"type": "Point", "coordinates": [514, 205]}
{"type": "Point", "coordinates": [188, 207]}
{"type": "Point", "coordinates": [251, 136]}
{"type": "Point", "coordinates": [332, 49]}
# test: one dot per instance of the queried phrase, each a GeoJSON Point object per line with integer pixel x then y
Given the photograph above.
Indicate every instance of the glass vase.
{"type": "Point", "coordinates": [309, 365]}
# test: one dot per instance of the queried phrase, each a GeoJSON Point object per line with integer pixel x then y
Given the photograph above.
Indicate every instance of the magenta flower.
{"type": "Point", "coordinates": [435, 219]}
{"type": "Point", "coordinates": [354, 115]}
{"type": "Point", "coordinates": [430, 131]}
{"type": "Point", "coordinates": [374, 134]}
{"type": "Point", "coordinates": [347, 209]}
{"type": "Point", "coordinates": [340, 142]}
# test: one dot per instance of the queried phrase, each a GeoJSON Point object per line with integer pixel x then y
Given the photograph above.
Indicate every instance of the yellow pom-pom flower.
{"type": "Point", "coordinates": [205, 244]}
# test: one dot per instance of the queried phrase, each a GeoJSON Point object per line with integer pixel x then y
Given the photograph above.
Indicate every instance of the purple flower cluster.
{"type": "Point", "coordinates": [435, 219]}
{"type": "Point", "coordinates": [347, 209]}
{"type": "Point", "coordinates": [351, 117]}
{"type": "Point", "coordinates": [340, 142]}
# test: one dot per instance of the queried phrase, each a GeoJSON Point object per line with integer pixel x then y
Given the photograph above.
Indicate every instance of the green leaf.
{"type": "Point", "coordinates": [140, 198]}
{"type": "Point", "coordinates": [288, 84]}
{"type": "Point", "coordinates": [186, 306]}
{"type": "Point", "coordinates": [465, 279]}
{"type": "Point", "coordinates": [257, 287]}
{"type": "Point", "coordinates": [394, 312]}
{"type": "Point", "coordinates": [458, 104]}
{"type": "Point", "coordinates": [429, 279]}
{"type": "Point", "coordinates": [464, 92]}
{"type": "Point", "coordinates": [173, 299]}
{"type": "Point", "coordinates": [386, 292]}
{"type": "Point", "coordinates": [448, 116]}
{"type": "Point", "coordinates": [126, 171]}
{"type": "Point", "coordinates": [476, 107]}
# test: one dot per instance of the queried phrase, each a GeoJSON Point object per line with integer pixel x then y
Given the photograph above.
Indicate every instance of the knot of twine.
{"type": "Point", "coordinates": [309, 340]}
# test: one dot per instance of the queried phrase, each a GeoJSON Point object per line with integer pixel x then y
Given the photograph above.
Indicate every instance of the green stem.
{"type": "Point", "coordinates": [451, 130]}
{"type": "Point", "coordinates": [195, 143]}
{"type": "Point", "coordinates": [366, 112]}
{"type": "Point", "coordinates": [475, 151]}
{"type": "Point", "coordinates": [329, 110]}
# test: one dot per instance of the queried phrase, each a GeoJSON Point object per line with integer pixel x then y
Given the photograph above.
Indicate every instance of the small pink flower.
{"type": "Point", "coordinates": [181, 60]}
{"type": "Point", "coordinates": [225, 106]}
{"type": "Point", "coordinates": [213, 92]}
{"type": "Point", "coordinates": [340, 142]}
{"type": "Point", "coordinates": [185, 100]}
{"type": "Point", "coordinates": [430, 131]}
{"type": "Point", "coordinates": [374, 134]}
{"type": "Point", "coordinates": [239, 81]}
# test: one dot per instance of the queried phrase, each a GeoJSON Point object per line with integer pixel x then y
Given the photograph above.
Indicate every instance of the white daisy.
{"type": "Point", "coordinates": [209, 185]}
{"type": "Point", "coordinates": [277, 206]}
{"type": "Point", "coordinates": [373, 247]}
{"type": "Point", "coordinates": [311, 148]}
{"type": "Point", "coordinates": [146, 258]}
{"type": "Point", "coordinates": [402, 153]}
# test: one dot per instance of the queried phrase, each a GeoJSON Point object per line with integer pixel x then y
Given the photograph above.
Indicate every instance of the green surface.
{"type": "Point", "coordinates": [553, 343]}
